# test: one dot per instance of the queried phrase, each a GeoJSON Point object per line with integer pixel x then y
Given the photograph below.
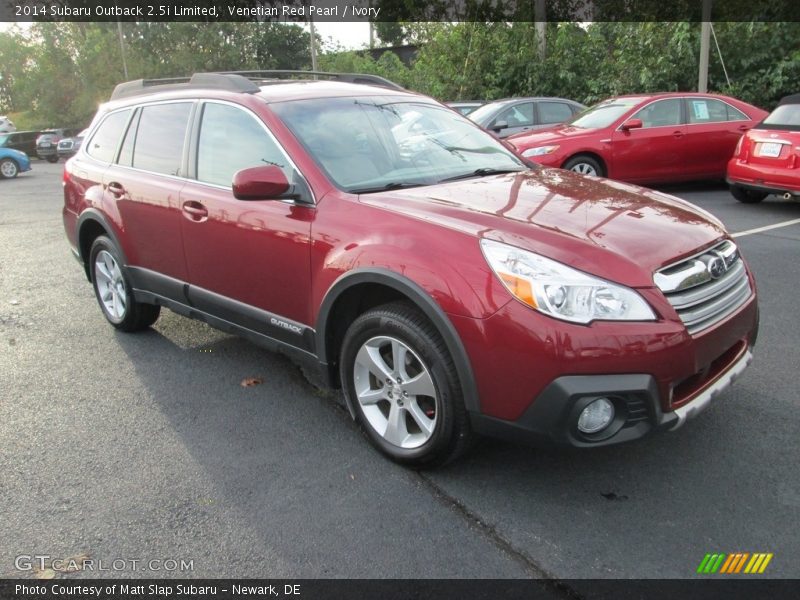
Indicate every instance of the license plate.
{"type": "Point", "coordinates": [45, 144]}
{"type": "Point", "coordinates": [770, 149]}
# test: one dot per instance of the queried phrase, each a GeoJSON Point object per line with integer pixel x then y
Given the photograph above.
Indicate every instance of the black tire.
{"type": "Point", "coordinates": [116, 289]}
{"type": "Point", "coordinates": [8, 168]}
{"type": "Point", "coordinates": [450, 434]}
{"type": "Point", "coordinates": [52, 159]}
{"type": "Point", "coordinates": [583, 164]}
{"type": "Point", "coordinates": [747, 196]}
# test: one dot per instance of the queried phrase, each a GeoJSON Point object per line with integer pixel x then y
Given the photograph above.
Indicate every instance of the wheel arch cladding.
{"type": "Point", "coordinates": [357, 291]}
{"type": "Point", "coordinates": [91, 224]}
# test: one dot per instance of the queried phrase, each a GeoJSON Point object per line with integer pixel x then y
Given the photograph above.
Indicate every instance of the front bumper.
{"type": "Point", "coordinates": [540, 373]}
{"type": "Point", "coordinates": [552, 419]}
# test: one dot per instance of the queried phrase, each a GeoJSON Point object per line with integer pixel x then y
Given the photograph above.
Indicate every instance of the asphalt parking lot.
{"type": "Point", "coordinates": [146, 447]}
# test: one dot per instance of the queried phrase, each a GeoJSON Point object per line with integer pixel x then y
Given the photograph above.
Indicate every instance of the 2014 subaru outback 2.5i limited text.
{"type": "Point", "coordinates": [446, 285]}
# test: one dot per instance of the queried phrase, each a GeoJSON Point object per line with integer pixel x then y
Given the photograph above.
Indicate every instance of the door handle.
{"type": "Point", "coordinates": [116, 189]}
{"type": "Point", "coordinates": [677, 134]}
{"type": "Point", "coordinates": [744, 127]}
{"type": "Point", "coordinates": [195, 211]}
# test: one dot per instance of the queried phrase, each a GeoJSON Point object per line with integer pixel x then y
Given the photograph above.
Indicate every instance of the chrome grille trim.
{"type": "Point", "coordinates": [701, 299]}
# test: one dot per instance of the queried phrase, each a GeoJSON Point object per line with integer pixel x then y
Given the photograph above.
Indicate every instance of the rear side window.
{"type": "Point", "coordinates": [232, 139]}
{"type": "Point", "coordinates": [786, 116]}
{"type": "Point", "coordinates": [554, 112]}
{"type": "Point", "coordinates": [706, 110]}
{"type": "Point", "coordinates": [104, 142]}
{"type": "Point", "coordinates": [160, 137]}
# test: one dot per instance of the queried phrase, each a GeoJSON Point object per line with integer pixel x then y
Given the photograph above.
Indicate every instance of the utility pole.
{"type": "Point", "coordinates": [705, 43]}
{"type": "Point", "coordinates": [122, 50]}
{"type": "Point", "coordinates": [540, 14]}
{"type": "Point", "coordinates": [371, 29]}
{"type": "Point", "coordinates": [313, 44]}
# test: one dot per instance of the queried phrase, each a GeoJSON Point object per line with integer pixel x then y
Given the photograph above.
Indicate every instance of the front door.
{"type": "Point", "coordinates": [248, 260]}
{"type": "Point", "coordinates": [654, 152]}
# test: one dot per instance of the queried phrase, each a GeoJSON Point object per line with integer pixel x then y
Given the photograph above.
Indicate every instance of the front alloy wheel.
{"type": "Point", "coordinates": [401, 384]}
{"type": "Point", "coordinates": [395, 391]}
{"type": "Point", "coordinates": [585, 165]}
{"type": "Point", "coordinates": [8, 168]}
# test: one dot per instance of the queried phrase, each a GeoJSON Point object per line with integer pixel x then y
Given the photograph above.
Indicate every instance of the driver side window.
{"type": "Point", "coordinates": [232, 139]}
{"type": "Point", "coordinates": [520, 115]}
{"type": "Point", "coordinates": [663, 113]}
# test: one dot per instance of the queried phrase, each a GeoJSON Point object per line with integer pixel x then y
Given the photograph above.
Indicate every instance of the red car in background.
{"type": "Point", "coordinates": [646, 138]}
{"type": "Point", "coordinates": [767, 159]}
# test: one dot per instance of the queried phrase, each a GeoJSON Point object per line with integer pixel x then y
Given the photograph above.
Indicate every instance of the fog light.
{"type": "Point", "coordinates": [596, 416]}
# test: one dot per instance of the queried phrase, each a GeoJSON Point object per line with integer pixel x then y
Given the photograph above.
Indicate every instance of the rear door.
{"type": "Point", "coordinates": [654, 152]}
{"type": "Point", "coordinates": [713, 130]}
{"type": "Point", "coordinates": [248, 261]}
{"type": "Point", "coordinates": [145, 185]}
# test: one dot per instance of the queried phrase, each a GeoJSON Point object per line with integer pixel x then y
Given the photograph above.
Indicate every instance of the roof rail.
{"type": "Point", "coordinates": [218, 81]}
{"type": "Point", "coordinates": [272, 75]}
{"type": "Point", "coordinates": [239, 81]}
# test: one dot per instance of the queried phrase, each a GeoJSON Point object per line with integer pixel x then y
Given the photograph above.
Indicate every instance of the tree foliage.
{"type": "Point", "coordinates": [57, 73]}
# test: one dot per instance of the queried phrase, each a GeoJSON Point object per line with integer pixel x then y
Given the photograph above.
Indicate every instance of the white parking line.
{"type": "Point", "coordinates": [765, 228]}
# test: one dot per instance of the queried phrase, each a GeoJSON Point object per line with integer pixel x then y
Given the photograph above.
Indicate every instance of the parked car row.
{"type": "Point", "coordinates": [51, 144]}
{"type": "Point", "coordinates": [657, 138]}
{"type": "Point", "coordinates": [47, 143]}
{"type": "Point", "coordinates": [650, 138]}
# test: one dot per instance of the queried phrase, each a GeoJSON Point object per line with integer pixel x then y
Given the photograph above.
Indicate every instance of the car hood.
{"type": "Point", "coordinates": [614, 230]}
{"type": "Point", "coordinates": [554, 135]}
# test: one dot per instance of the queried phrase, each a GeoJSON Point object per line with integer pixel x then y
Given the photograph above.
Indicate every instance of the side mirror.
{"type": "Point", "coordinates": [632, 124]}
{"type": "Point", "coordinates": [498, 125]}
{"type": "Point", "coordinates": [260, 183]}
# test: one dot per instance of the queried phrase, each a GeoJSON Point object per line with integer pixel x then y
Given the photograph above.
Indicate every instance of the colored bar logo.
{"type": "Point", "coordinates": [738, 562]}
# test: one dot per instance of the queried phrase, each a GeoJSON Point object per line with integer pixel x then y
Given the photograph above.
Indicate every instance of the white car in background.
{"type": "Point", "coordinates": [6, 126]}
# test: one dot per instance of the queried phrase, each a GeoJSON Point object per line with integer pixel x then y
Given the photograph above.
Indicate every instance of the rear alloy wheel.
{"type": "Point", "coordinates": [747, 196]}
{"type": "Point", "coordinates": [401, 382]}
{"type": "Point", "coordinates": [585, 165]}
{"type": "Point", "coordinates": [114, 293]}
{"type": "Point", "coordinates": [8, 168]}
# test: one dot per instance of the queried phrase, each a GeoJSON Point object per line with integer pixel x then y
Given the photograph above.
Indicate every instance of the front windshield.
{"type": "Point", "coordinates": [372, 144]}
{"type": "Point", "coordinates": [603, 114]}
{"type": "Point", "coordinates": [786, 116]}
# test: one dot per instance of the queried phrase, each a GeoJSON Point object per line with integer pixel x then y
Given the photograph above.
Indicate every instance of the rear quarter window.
{"type": "Point", "coordinates": [160, 137]}
{"type": "Point", "coordinates": [104, 142]}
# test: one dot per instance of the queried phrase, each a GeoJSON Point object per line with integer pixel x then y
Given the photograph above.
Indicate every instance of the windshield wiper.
{"type": "Point", "coordinates": [395, 185]}
{"type": "Point", "coordinates": [482, 172]}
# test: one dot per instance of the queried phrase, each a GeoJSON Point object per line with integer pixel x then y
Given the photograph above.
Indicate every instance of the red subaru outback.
{"type": "Point", "coordinates": [447, 286]}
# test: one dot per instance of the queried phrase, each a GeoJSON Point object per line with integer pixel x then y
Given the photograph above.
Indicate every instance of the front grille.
{"type": "Point", "coordinates": [707, 287]}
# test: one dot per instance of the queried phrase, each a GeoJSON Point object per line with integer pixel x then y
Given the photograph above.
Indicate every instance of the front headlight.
{"type": "Point", "coordinates": [539, 151]}
{"type": "Point", "coordinates": [561, 291]}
